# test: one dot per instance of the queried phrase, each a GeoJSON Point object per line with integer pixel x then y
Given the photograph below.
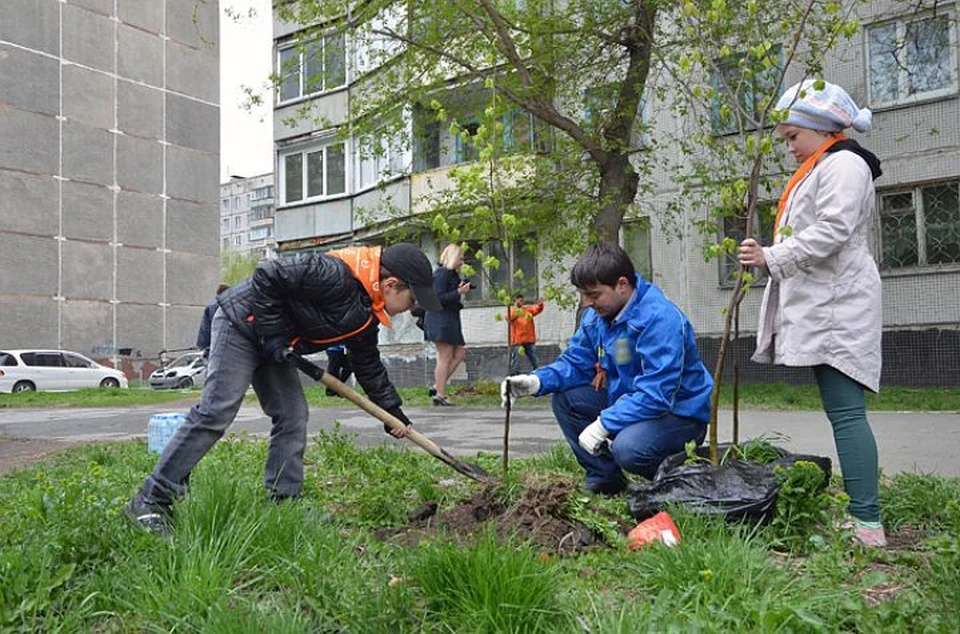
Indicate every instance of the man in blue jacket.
{"type": "Point", "coordinates": [630, 389]}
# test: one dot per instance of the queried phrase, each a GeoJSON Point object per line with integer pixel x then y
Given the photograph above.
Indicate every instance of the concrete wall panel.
{"type": "Point", "coordinates": [330, 108]}
{"type": "Point", "coordinates": [192, 227]}
{"type": "Point", "coordinates": [198, 28]}
{"type": "Point", "coordinates": [88, 97]}
{"type": "Point", "coordinates": [192, 175]}
{"type": "Point", "coordinates": [88, 38]}
{"type": "Point", "coordinates": [139, 220]}
{"type": "Point", "coordinates": [140, 56]}
{"type": "Point", "coordinates": [87, 211]}
{"type": "Point", "coordinates": [193, 71]}
{"type": "Point", "coordinates": [103, 7]}
{"type": "Point", "coordinates": [139, 164]}
{"type": "Point", "coordinates": [87, 153]}
{"type": "Point", "coordinates": [191, 279]}
{"type": "Point", "coordinates": [36, 195]}
{"type": "Point", "coordinates": [183, 323]}
{"type": "Point", "coordinates": [31, 23]}
{"type": "Point", "coordinates": [143, 15]}
{"type": "Point", "coordinates": [41, 93]}
{"type": "Point", "coordinates": [88, 327]}
{"type": "Point", "coordinates": [140, 326]}
{"type": "Point", "coordinates": [29, 322]}
{"type": "Point", "coordinates": [40, 278]}
{"type": "Point", "coordinates": [193, 124]}
{"type": "Point", "coordinates": [139, 276]}
{"type": "Point", "coordinates": [87, 270]}
{"type": "Point", "coordinates": [30, 142]}
{"type": "Point", "coordinates": [140, 110]}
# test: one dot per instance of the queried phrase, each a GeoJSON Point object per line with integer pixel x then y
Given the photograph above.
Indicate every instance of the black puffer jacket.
{"type": "Point", "coordinates": [315, 298]}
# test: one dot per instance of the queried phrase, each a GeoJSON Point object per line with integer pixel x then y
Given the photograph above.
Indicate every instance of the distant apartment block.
{"type": "Point", "coordinates": [109, 117]}
{"type": "Point", "coordinates": [246, 216]}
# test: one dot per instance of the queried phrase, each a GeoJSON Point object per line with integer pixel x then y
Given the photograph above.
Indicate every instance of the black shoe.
{"type": "Point", "coordinates": [153, 518]}
{"type": "Point", "coordinates": [432, 392]}
{"type": "Point", "coordinates": [440, 401]}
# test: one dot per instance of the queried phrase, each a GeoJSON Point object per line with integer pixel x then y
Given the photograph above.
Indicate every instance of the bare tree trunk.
{"type": "Point", "coordinates": [618, 188]}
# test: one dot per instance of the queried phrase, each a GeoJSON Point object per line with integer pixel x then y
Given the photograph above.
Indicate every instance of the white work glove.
{"type": "Point", "coordinates": [520, 385]}
{"type": "Point", "coordinates": [593, 438]}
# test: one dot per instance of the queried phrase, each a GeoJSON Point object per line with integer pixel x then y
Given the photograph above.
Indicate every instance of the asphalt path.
{"type": "Point", "coordinates": [908, 441]}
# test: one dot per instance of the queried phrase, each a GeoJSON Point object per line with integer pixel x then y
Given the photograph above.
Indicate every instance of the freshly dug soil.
{"type": "Point", "coordinates": [538, 516]}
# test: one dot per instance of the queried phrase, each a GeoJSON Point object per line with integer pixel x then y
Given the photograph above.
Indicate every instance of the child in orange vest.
{"type": "Point", "coordinates": [523, 332]}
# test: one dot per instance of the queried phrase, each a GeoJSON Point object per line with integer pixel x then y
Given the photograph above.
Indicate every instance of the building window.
{"type": "Point", "coordinates": [236, 222]}
{"type": "Point", "coordinates": [739, 90]}
{"type": "Point", "coordinates": [225, 204]}
{"type": "Point", "coordinates": [912, 59]}
{"type": "Point", "coordinates": [466, 150]}
{"type": "Point", "coordinates": [236, 202]}
{"type": "Point", "coordinates": [735, 229]}
{"type": "Point", "coordinates": [920, 227]}
{"type": "Point", "coordinates": [312, 67]}
{"type": "Point", "coordinates": [517, 272]}
{"type": "Point", "coordinates": [314, 173]}
{"type": "Point", "coordinates": [236, 241]}
{"type": "Point", "coordinates": [226, 244]}
{"type": "Point", "coordinates": [258, 233]}
{"type": "Point", "coordinates": [379, 157]}
{"type": "Point", "coordinates": [523, 132]}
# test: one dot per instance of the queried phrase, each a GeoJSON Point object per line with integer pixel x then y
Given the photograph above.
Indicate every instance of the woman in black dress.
{"type": "Point", "coordinates": [443, 327]}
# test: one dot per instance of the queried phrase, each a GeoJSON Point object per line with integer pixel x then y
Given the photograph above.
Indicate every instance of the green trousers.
{"type": "Point", "coordinates": [845, 406]}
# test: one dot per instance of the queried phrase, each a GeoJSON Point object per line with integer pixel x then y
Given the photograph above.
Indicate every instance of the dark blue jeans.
{"type": "Point", "coordinates": [639, 448]}
{"type": "Point", "coordinates": [234, 365]}
{"type": "Point", "coordinates": [530, 350]}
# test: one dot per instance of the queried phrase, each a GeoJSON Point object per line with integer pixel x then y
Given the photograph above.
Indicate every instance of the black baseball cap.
{"type": "Point", "coordinates": [408, 263]}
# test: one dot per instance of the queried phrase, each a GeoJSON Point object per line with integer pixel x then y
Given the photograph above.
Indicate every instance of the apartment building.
{"type": "Point", "coordinates": [108, 230]}
{"type": "Point", "coordinates": [246, 216]}
{"type": "Point", "coordinates": [329, 192]}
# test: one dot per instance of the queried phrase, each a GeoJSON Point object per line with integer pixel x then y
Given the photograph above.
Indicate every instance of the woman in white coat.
{"type": "Point", "coordinates": [821, 307]}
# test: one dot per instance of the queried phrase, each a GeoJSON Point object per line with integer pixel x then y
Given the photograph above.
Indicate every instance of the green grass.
{"type": "Point", "coordinates": [95, 397]}
{"type": "Point", "coordinates": [70, 562]}
{"type": "Point", "coordinates": [773, 396]}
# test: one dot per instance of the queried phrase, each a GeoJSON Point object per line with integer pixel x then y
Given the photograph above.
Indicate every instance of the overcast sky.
{"type": "Point", "coordinates": [246, 136]}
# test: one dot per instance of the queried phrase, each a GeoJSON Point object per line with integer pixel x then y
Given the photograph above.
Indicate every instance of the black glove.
{"type": "Point", "coordinates": [273, 347]}
{"type": "Point", "coordinates": [397, 413]}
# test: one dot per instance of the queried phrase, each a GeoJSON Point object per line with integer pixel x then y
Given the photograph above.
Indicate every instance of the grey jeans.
{"type": "Point", "coordinates": [235, 363]}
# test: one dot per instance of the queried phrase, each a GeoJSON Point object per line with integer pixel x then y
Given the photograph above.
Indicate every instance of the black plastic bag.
{"type": "Point", "coordinates": [737, 489]}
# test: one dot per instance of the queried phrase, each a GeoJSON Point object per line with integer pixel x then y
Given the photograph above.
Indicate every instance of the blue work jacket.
{"type": "Point", "coordinates": [649, 353]}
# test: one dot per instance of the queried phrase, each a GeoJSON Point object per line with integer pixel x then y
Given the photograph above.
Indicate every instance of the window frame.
{"type": "Point", "coordinates": [920, 227]}
{"type": "Point", "coordinates": [303, 50]}
{"type": "Point", "coordinates": [949, 13]}
{"type": "Point", "coordinates": [303, 152]}
{"type": "Point", "coordinates": [732, 60]}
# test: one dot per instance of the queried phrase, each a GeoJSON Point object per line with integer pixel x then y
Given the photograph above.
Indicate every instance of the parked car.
{"type": "Point", "coordinates": [54, 370]}
{"type": "Point", "coordinates": [184, 372]}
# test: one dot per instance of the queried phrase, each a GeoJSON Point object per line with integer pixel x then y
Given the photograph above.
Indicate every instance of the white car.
{"type": "Point", "coordinates": [183, 373]}
{"type": "Point", "coordinates": [54, 370]}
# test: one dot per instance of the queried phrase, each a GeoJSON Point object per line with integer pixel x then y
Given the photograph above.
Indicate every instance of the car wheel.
{"type": "Point", "coordinates": [24, 386]}
{"type": "Point", "coordinates": [109, 382]}
{"type": "Point", "coordinates": [185, 383]}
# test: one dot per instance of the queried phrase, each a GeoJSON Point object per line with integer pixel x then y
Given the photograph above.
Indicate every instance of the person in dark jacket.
{"type": "Point", "coordinates": [443, 327]}
{"type": "Point", "coordinates": [307, 302]}
{"type": "Point", "coordinates": [203, 333]}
